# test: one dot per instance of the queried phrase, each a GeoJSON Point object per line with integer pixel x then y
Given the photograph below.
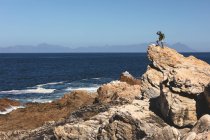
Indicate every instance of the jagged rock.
{"type": "Point", "coordinates": [130, 121]}
{"type": "Point", "coordinates": [185, 75]}
{"type": "Point", "coordinates": [118, 90]}
{"type": "Point", "coordinates": [6, 103]}
{"type": "Point", "coordinates": [181, 80]}
{"type": "Point", "coordinates": [167, 133]}
{"type": "Point", "coordinates": [128, 78]}
{"type": "Point", "coordinates": [180, 110]}
{"type": "Point", "coordinates": [201, 131]}
{"type": "Point", "coordinates": [150, 85]}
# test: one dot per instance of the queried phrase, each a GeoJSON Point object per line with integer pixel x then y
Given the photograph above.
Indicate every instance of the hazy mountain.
{"type": "Point", "coordinates": [47, 48]}
{"type": "Point", "coordinates": [181, 47]}
{"type": "Point", "coordinates": [41, 48]}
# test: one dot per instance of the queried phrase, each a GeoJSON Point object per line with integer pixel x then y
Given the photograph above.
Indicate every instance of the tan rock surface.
{"type": "Point", "coordinates": [130, 121]}
{"type": "Point", "coordinates": [150, 83]}
{"type": "Point", "coordinates": [180, 110]}
{"type": "Point", "coordinates": [201, 131]}
{"type": "Point", "coordinates": [186, 75]}
{"type": "Point", "coordinates": [118, 90]}
{"type": "Point", "coordinates": [180, 80]}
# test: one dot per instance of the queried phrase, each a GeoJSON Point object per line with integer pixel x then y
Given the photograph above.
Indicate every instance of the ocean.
{"type": "Point", "coordinates": [45, 77]}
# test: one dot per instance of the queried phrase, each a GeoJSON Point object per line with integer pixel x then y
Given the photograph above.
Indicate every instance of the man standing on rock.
{"type": "Point", "coordinates": [161, 38]}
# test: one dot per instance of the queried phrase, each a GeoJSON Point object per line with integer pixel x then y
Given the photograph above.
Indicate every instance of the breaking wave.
{"type": "Point", "coordinates": [89, 89]}
{"type": "Point", "coordinates": [25, 91]}
{"type": "Point", "coordinates": [10, 109]}
{"type": "Point", "coordinates": [47, 92]}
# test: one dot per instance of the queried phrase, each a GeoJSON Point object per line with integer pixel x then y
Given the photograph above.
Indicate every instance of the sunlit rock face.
{"type": "Point", "coordinates": [117, 90]}
{"type": "Point", "coordinates": [181, 79]}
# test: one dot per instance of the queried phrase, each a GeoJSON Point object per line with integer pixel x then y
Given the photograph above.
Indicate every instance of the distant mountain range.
{"type": "Point", "coordinates": [48, 48]}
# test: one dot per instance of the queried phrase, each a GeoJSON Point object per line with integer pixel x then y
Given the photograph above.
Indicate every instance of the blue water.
{"type": "Point", "coordinates": [45, 77]}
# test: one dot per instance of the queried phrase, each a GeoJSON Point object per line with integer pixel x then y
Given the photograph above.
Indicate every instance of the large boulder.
{"type": "Point", "coordinates": [179, 110]}
{"type": "Point", "coordinates": [150, 83]}
{"type": "Point", "coordinates": [131, 121]}
{"type": "Point", "coordinates": [201, 130]}
{"type": "Point", "coordinates": [117, 90]}
{"type": "Point", "coordinates": [181, 80]}
{"type": "Point", "coordinates": [185, 75]}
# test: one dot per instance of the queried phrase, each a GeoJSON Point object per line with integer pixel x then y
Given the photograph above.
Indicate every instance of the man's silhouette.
{"type": "Point", "coordinates": [161, 38]}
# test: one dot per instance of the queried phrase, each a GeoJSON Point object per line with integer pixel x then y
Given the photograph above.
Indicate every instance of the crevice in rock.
{"type": "Point", "coordinates": [201, 105]}
{"type": "Point", "coordinates": [156, 68]}
{"type": "Point", "coordinates": [183, 94]}
{"type": "Point", "coordinates": [154, 106]}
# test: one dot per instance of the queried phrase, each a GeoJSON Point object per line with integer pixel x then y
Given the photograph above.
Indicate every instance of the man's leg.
{"type": "Point", "coordinates": [157, 43]}
{"type": "Point", "coordinates": [162, 43]}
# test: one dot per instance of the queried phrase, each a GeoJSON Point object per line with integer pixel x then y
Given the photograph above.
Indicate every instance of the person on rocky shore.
{"type": "Point", "coordinates": [161, 38]}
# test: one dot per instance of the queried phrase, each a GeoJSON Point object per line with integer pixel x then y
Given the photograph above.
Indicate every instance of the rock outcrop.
{"type": "Point", "coordinates": [131, 121]}
{"type": "Point", "coordinates": [181, 79]}
{"type": "Point", "coordinates": [184, 75]}
{"type": "Point", "coordinates": [117, 90]}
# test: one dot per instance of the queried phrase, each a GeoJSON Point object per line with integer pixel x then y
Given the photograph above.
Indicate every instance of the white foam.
{"type": "Point", "coordinates": [115, 82]}
{"type": "Point", "coordinates": [89, 89]}
{"type": "Point", "coordinates": [39, 100]}
{"type": "Point", "coordinates": [10, 109]}
{"type": "Point", "coordinates": [96, 78]}
{"type": "Point", "coordinates": [24, 91]}
{"type": "Point", "coordinates": [52, 83]}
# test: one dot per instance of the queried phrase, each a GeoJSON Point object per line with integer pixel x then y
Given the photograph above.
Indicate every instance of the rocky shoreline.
{"type": "Point", "coordinates": [171, 101]}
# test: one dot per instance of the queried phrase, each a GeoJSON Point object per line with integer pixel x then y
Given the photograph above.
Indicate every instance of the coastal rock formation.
{"type": "Point", "coordinates": [184, 75]}
{"type": "Point", "coordinates": [128, 78]}
{"type": "Point", "coordinates": [117, 90]}
{"type": "Point", "coordinates": [36, 114]}
{"type": "Point", "coordinates": [166, 103]}
{"type": "Point", "coordinates": [181, 79]}
{"type": "Point", "coordinates": [130, 121]}
{"type": "Point", "coordinates": [7, 103]}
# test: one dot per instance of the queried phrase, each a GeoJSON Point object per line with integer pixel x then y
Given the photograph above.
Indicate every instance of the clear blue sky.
{"type": "Point", "coordinates": [99, 22]}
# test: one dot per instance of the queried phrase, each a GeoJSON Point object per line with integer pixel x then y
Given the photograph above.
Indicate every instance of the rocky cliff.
{"type": "Point", "coordinates": [169, 102]}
